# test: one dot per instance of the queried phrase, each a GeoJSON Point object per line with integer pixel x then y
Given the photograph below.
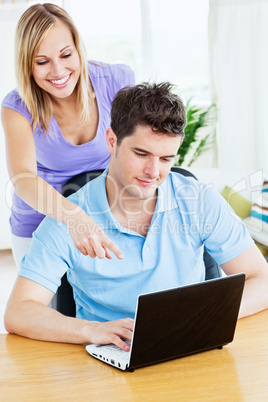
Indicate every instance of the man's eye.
{"type": "Point", "coordinates": [139, 154]}
{"type": "Point", "coordinates": [167, 159]}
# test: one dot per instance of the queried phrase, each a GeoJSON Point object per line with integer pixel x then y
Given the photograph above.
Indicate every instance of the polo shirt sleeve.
{"type": "Point", "coordinates": [52, 252]}
{"type": "Point", "coordinates": [223, 232]}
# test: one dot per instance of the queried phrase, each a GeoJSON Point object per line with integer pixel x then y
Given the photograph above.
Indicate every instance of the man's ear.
{"type": "Point", "coordinates": [111, 141]}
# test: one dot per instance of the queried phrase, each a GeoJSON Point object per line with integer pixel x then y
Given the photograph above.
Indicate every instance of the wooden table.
{"type": "Point", "coordinates": [36, 371]}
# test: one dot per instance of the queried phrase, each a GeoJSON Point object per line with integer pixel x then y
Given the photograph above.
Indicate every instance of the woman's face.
{"type": "Point", "coordinates": [57, 65]}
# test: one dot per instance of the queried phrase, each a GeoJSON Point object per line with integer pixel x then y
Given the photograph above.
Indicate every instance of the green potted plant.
{"type": "Point", "coordinates": [194, 142]}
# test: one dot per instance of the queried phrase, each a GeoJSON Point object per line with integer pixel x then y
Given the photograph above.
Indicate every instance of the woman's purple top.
{"type": "Point", "coordinates": [57, 159]}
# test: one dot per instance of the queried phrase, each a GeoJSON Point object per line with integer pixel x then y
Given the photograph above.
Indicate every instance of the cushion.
{"type": "Point", "coordinates": [240, 205]}
{"type": "Point", "coordinates": [257, 222]}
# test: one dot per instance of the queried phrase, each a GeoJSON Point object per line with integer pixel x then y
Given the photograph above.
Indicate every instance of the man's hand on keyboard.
{"type": "Point", "coordinates": [114, 332]}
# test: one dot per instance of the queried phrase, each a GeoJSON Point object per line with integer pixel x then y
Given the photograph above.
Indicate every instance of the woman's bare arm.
{"type": "Point", "coordinates": [41, 196]}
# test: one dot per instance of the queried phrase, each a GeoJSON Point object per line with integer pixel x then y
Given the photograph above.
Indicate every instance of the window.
{"type": "Point", "coordinates": [111, 30]}
{"type": "Point", "coordinates": [160, 39]}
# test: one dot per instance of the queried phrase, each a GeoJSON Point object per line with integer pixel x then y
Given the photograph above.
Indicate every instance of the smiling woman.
{"type": "Point", "coordinates": [55, 126]}
{"type": "Point", "coordinates": [57, 66]}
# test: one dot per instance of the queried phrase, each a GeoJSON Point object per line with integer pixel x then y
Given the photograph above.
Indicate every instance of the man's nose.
{"type": "Point", "coordinates": [152, 168]}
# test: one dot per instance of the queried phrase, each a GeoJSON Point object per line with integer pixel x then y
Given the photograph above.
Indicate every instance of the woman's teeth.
{"type": "Point", "coordinates": [59, 82]}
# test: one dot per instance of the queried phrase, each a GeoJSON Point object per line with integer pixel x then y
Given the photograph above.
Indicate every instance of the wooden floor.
{"type": "Point", "coordinates": [8, 273]}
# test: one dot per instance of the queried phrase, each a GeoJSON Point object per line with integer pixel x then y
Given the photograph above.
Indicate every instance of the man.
{"type": "Point", "coordinates": [160, 220]}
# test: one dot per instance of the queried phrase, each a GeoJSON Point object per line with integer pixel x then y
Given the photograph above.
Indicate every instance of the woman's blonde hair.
{"type": "Point", "coordinates": [32, 27]}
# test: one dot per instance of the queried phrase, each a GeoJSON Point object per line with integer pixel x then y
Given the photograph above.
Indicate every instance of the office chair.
{"type": "Point", "coordinates": [65, 300]}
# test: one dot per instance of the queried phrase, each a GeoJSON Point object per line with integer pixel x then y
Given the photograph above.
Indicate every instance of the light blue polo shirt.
{"type": "Point", "coordinates": [188, 214]}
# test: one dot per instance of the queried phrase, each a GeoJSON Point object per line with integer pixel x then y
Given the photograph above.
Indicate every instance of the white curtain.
{"type": "Point", "coordinates": [175, 45]}
{"type": "Point", "coordinates": [238, 43]}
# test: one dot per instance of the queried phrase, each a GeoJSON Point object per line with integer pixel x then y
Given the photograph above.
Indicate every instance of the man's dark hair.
{"type": "Point", "coordinates": [147, 104]}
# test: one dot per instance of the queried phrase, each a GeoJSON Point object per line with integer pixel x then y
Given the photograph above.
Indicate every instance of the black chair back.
{"type": "Point", "coordinates": [65, 298]}
{"type": "Point", "coordinates": [212, 268]}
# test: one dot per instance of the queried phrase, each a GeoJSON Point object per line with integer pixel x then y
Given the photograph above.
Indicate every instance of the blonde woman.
{"type": "Point", "coordinates": [55, 124]}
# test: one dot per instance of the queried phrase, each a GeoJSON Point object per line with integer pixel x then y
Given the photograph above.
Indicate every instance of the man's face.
{"type": "Point", "coordinates": [141, 162]}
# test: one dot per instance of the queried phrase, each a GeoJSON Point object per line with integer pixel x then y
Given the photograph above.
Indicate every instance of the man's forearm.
{"type": "Point", "coordinates": [254, 265]}
{"type": "Point", "coordinates": [37, 321]}
{"type": "Point", "coordinates": [255, 296]}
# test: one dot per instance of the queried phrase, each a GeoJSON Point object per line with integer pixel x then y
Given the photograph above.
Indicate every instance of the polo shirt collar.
{"type": "Point", "coordinates": [166, 201]}
{"type": "Point", "coordinates": [100, 210]}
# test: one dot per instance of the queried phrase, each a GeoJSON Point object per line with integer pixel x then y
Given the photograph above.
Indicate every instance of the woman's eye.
{"type": "Point", "coordinates": [41, 63]}
{"type": "Point", "coordinates": [65, 56]}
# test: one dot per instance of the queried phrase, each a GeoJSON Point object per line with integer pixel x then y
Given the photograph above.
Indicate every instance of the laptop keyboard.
{"type": "Point", "coordinates": [117, 352]}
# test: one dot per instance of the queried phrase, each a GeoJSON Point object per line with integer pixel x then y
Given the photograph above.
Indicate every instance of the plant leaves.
{"type": "Point", "coordinates": [197, 118]}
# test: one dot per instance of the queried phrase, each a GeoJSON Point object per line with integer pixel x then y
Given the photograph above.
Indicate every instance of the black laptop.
{"type": "Point", "coordinates": [178, 322]}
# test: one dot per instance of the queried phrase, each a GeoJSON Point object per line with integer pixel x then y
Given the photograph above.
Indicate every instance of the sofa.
{"type": "Point", "coordinates": [247, 193]}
